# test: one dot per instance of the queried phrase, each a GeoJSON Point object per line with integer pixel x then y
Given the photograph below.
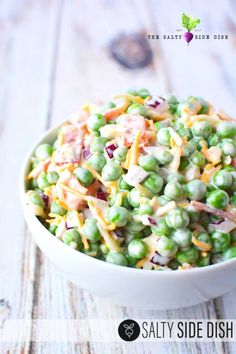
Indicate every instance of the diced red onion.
{"type": "Point", "coordinates": [224, 226]}
{"type": "Point", "coordinates": [68, 227]}
{"type": "Point", "coordinates": [110, 150]}
{"type": "Point", "coordinates": [45, 199]}
{"type": "Point", "coordinates": [159, 260]}
{"type": "Point", "coordinates": [152, 221]}
{"type": "Point", "coordinates": [119, 233]}
{"type": "Point", "coordinates": [86, 153]}
{"type": "Point", "coordinates": [101, 195]}
{"type": "Point", "coordinates": [155, 101]}
{"type": "Point", "coordinates": [217, 222]}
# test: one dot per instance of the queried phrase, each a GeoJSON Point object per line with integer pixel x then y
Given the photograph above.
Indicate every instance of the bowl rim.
{"type": "Point", "coordinates": [43, 138]}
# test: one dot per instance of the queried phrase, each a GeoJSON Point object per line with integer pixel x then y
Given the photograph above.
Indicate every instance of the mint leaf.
{"type": "Point", "coordinates": [185, 21]}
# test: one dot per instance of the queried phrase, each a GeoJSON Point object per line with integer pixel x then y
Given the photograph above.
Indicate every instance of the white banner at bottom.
{"type": "Point", "coordinates": [116, 330]}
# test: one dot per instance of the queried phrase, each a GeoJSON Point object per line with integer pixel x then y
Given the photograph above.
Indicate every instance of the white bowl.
{"type": "Point", "coordinates": [125, 286]}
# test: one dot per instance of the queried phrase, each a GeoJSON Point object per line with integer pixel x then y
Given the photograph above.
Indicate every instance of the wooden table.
{"type": "Point", "coordinates": [54, 56]}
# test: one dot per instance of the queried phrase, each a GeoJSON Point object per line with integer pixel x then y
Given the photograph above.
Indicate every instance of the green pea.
{"type": "Point", "coordinates": [131, 260]}
{"type": "Point", "coordinates": [174, 190]}
{"type": "Point", "coordinates": [175, 176]}
{"type": "Point", "coordinates": [146, 208]}
{"type": "Point", "coordinates": [53, 228]}
{"type": "Point", "coordinates": [91, 230]}
{"type": "Point", "coordinates": [189, 149]}
{"type": "Point", "coordinates": [33, 184]}
{"type": "Point", "coordinates": [229, 253]}
{"type": "Point", "coordinates": [104, 248]}
{"type": "Point", "coordinates": [96, 121]}
{"type": "Point", "coordinates": [108, 106]}
{"type": "Point", "coordinates": [228, 147]}
{"type": "Point", "coordinates": [232, 200]}
{"type": "Point", "coordinates": [97, 161]}
{"type": "Point", "coordinates": [153, 182]}
{"type": "Point", "coordinates": [163, 136]}
{"type": "Point", "coordinates": [57, 209]}
{"type": "Point", "coordinates": [111, 171]}
{"type": "Point", "coordinates": [118, 216]}
{"type": "Point", "coordinates": [134, 226]}
{"type": "Point", "coordinates": [204, 105]}
{"type": "Point", "coordinates": [132, 92]}
{"type": "Point", "coordinates": [42, 180]}
{"type": "Point", "coordinates": [196, 189]}
{"type": "Point", "coordinates": [163, 200]}
{"type": "Point", "coordinates": [137, 108]}
{"type": "Point", "coordinates": [202, 129]}
{"type": "Point", "coordinates": [173, 264]}
{"type": "Point", "coordinates": [70, 236]}
{"type": "Point", "coordinates": [184, 163]}
{"type": "Point", "coordinates": [52, 177]}
{"type": "Point", "coordinates": [193, 213]}
{"type": "Point", "coordinates": [124, 185]}
{"type": "Point", "coordinates": [203, 237]}
{"type": "Point", "coordinates": [233, 185]}
{"type": "Point", "coordinates": [220, 241]}
{"type": "Point", "coordinates": [218, 199]}
{"type": "Point", "coordinates": [213, 140]}
{"type": "Point", "coordinates": [198, 159]}
{"type": "Point", "coordinates": [166, 247]}
{"type": "Point", "coordinates": [164, 157]}
{"type": "Point", "coordinates": [196, 140]}
{"type": "Point", "coordinates": [120, 153]}
{"type": "Point", "coordinates": [226, 129]}
{"type": "Point", "coordinates": [129, 236]}
{"type": "Point", "coordinates": [84, 176]}
{"type": "Point", "coordinates": [189, 256]}
{"type": "Point", "coordinates": [98, 144]}
{"type": "Point", "coordinates": [203, 261]}
{"type": "Point", "coordinates": [144, 93]}
{"type": "Point", "coordinates": [222, 179]}
{"type": "Point", "coordinates": [146, 231]}
{"type": "Point", "coordinates": [93, 250]}
{"type": "Point", "coordinates": [216, 258]}
{"type": "Point", "coordinates": [177, 218]}
{"type": "Point", "coordinates": [233, 235]}
{"type": "Point", "coordinates": [182, 237]}
{"type": "Point", "coordinates": [134, 198]}
{"type": "Point", "coordinates": [44, 151]}
{"type": "Point", "coordinates": [117, 258]}
{"type": "Point", "coordinates": [36, 199]}
{"type": "Point", "coordinates": [161, 229]}
{"type": "Point", "coordinates": [148, 163]}
{"type": "Point", "coordinates": [159, 125]}
{"type": "Point", "coordinates": [190, 104]}
{"type": "Point", "coordinates": [137, 249]}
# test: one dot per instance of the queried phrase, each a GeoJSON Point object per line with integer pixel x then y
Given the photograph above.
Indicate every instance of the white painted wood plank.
{"type": "Point", "coordinates": [25, 64]}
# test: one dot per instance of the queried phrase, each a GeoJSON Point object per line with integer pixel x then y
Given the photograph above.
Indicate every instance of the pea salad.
{"type": "Point", "coordinates": [143, 181]}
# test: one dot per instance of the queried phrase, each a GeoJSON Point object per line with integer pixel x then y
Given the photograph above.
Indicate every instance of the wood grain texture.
{"type": "Point", "coordinates": [54, 56]}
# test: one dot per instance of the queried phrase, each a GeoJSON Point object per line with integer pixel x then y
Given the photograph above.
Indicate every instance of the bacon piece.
{"type": "Point", "coordinates": [203, 207]}
{"type": "Point", "coordinates": [70, 143]}
{"type": "Point", "coordinates": [71, 200]}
